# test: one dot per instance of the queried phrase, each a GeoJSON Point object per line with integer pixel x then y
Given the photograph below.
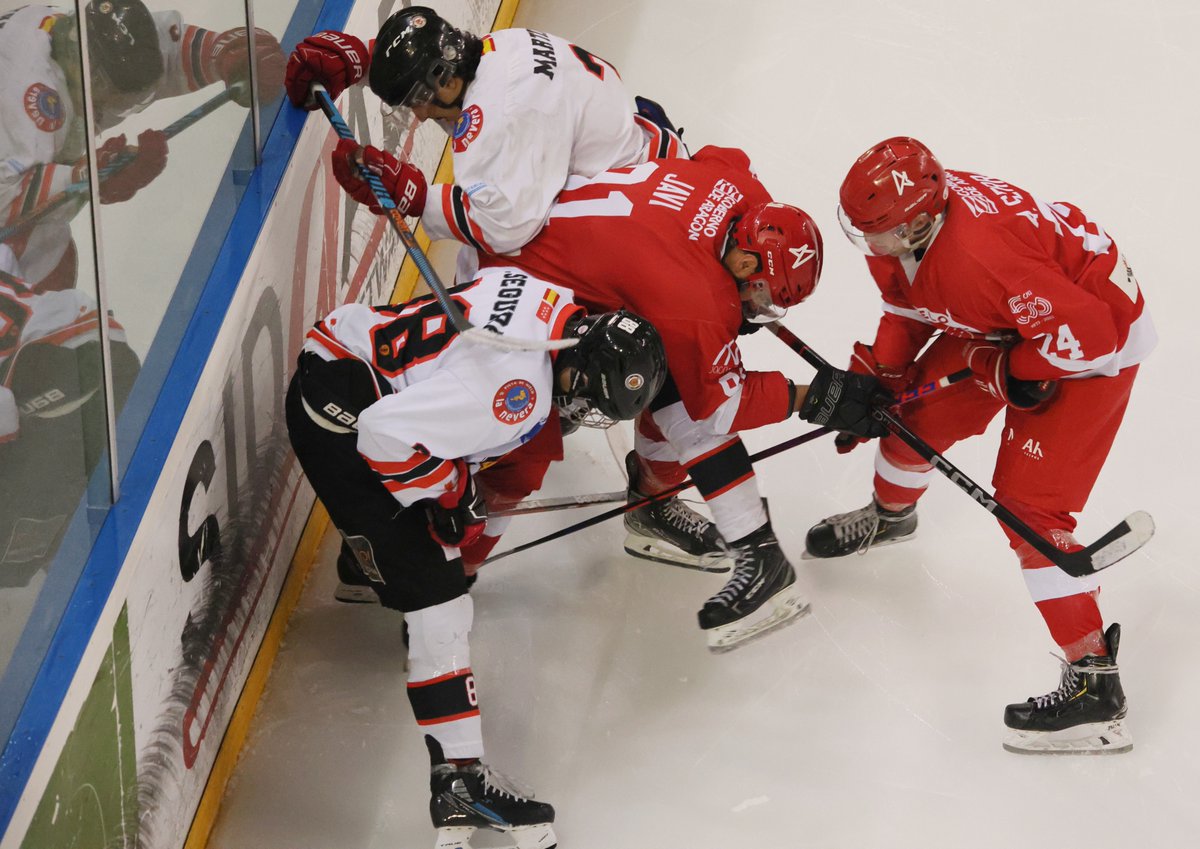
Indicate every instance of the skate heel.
{"type": "Point", "coordinates": [539, 836]}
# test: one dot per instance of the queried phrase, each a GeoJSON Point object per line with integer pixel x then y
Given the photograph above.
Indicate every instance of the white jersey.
{"type": "Point", "coordinates": [42, 146]}
{"type": "Point", "coordinates": [444, 398]}
{"type": "Point", "coordinates": [538, 111]}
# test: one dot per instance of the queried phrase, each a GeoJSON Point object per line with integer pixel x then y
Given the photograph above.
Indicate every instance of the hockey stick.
{"type": "Point", "coordinates": [452, 310]}
{"type": "Point", "coordinates": [1124, 539]}
{"type": "Point", "coordinates": [568, 502]}
{"type": "Point", "coordinates": [642, 502]}
{"type": "Point", "coordinates": [78, 190]}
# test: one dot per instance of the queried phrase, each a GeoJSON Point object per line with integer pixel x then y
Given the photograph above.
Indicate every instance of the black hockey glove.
{"type": "Point", "coordinates": [458, 517]}
{"type": "Point", "coordinates": [843, 400]}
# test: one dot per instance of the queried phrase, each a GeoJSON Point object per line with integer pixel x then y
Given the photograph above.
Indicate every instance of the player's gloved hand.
{"type": "Point", "coordinates": [334, 59]}
{"type": "Point", "coordinates": [894, 379]}
{"type": "Point", "coordinates": [989, 361]}
{"type": "Point", "coordinates": [843, 400]}
{"type": "Point", "coordinates": [230, 59]}
{"type": "Point", "coordinates": [404, 182]}
{"type": "Point", "coordinates": [457, 518]}
{"type": "Point", "coordinates": [142, 164]}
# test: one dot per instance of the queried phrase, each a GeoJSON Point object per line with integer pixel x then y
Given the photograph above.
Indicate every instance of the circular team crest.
{"type": "Point", "coordinates": [44, 107]}
{"type": "Point", "coordinates": [467, 128]}
{"type": "Point", "coordinates": [514, 401]}
{"type": "Point", "coordinates": [635, 382]}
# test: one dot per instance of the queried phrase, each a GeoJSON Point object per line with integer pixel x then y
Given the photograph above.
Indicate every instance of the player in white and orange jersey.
{"type": "Point", "coordinates": [1037, 299]}
{"type": "Point", "coordinates": [524, 110]}
{"type": "Point", "coordinates": [392, 415]}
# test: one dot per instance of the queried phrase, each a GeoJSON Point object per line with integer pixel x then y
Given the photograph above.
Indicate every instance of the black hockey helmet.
{"type": "Point", "coordinates": [415, 53]}
{"type": "Point", "coordinates": [620, 366]}
{"type": "Point", "coordinates": [123, 44]}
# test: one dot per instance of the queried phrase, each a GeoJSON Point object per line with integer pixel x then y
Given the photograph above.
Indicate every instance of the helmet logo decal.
{"type": "Point", "coordinates": [417, 21]}
{"type": "Point", "coordinates": [514, 401]}
{"type": "Point", "coordinates": [467, 128]}
{"type": "Point", "coordinates": [627, 324]}
{"type": "Point", "coordinates": [802, 255]}
{"type": "Point", "coordinates": [902, 181]}
{"type": "Point", "coordinates": [634, 382]}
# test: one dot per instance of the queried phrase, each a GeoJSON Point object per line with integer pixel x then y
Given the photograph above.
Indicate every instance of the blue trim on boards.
{"type": "Point", "coordinates": [49, 673]}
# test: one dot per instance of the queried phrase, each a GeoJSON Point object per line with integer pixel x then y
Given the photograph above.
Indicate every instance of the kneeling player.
{"type": "Point", "coordinates": [391, 414]}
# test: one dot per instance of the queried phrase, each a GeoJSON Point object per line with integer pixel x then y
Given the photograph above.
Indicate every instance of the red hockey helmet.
{"type": "Point", "coordinates": [788, 246]}
{"type": "Point", "coordinates": [888, 189]}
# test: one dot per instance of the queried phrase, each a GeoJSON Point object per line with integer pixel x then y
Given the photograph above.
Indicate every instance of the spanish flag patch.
{"type": "Point", "coordinates": [488, 45]}
{"type": "Point", "coordinates": [546, 307]}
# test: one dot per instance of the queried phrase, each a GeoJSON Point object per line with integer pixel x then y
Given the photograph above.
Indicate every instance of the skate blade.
{"type": "Point", "coordinates": [781, 610]}
{"type": "Point", "coordinates": [355, 594]}
{"type": "Point", "coordinates": [808, 555]}
{"type": "Point", "coordinates": [539, 836]}
{"type": "Point", "coordinates": [647, 548]}
{"type": "Point", "coordinates": [1096, 738]}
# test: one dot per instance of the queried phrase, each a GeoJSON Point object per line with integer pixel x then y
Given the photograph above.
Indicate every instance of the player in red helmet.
{"type": "Point", "coordinates": [699, 248]}
{"type": "Point", "coordinates": [786, 244]}
{"type": "Point", "coordinates": [1040, 303]}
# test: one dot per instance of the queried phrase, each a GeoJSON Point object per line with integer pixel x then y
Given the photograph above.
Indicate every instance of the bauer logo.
{"type": "Point", "coordinates": [467, 128]}
{"type": "Point", "coordinates": [514, 401]}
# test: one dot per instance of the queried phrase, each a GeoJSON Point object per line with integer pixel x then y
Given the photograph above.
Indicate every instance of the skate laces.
{"type": "Point", "coordinates": [682, 517]}
{"type": "Point", "coordinates": [504, 785]}
{"type": "Point", "coordinates": [744, 571]}
{"type": "Point", "coordinates": [1069, 685]}
{"type": "Point", "coordinates": [861, 524]}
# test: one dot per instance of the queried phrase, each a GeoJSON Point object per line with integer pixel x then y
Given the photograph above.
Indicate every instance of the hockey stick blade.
{"type": "Point", "coordinates": [1123, 540]}
{"type": "Point", "coordinates": [469, 331]}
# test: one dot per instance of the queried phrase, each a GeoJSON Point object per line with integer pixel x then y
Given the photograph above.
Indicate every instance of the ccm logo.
{"type": "Point", "coordinates": [339, 415]}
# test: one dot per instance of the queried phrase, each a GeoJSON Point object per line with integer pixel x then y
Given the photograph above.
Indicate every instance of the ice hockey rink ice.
{"type": "Point", "coordinates": [876, 721]}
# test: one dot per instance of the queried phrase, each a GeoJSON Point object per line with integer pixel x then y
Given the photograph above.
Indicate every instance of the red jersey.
{"type": "Point", "coordinates": [650, 238]}
{"type": "Point", "coordinates": [1005, 261]}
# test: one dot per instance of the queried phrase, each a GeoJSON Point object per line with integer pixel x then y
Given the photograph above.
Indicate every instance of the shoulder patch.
{"type": "Point", "coordinates": [489, 44]}
{"type": "Point", "coordinates": [44, 107]}
{"type": "Point", "coordinates": [514, 401]}
{"type": "Point", "coordinates": [467, 128]}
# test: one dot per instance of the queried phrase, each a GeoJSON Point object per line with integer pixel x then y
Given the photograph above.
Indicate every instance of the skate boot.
{"type": "Point", "coordinates": [669, 531]}
{"type": "Point", "coordinates": [1085, 715]}
{"type": "Point", "coordinates": [859, 530]}
{"type": "Point", "coordinates": [354, 587]}
{"type": "Point", "coordinates": [473, 796]}
{"type": "Point", "coordinates": [760, 597]}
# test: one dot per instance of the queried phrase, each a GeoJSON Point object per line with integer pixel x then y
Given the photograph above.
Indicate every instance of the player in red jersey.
{"type": "Point", "coordinates": [698, 246]}
{"type": "Point", "coordinates": [1039, 302]}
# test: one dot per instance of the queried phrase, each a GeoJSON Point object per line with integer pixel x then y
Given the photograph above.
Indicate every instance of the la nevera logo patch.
{"type": "Point", "coordinates": [514, 401]}
{"type": "Point", "coordinates": [44, 107]}
{"type": "Point", "coordinates": [467, 128]}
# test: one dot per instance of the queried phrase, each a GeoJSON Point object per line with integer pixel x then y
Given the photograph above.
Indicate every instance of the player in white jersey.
{"type": "Point", "coordinates": [52, 413]}
{"type": "Point", "coordinates": [392, 414]}
{"type": "Point", "coordinates": [137, 57]}
{"type": "Point", "coordinates": [525, 111]}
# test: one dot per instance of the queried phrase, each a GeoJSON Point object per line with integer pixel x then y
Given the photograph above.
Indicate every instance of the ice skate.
{"type": "Point", "coordinates": [467, 798]}
{"type": "Point", "coordinates": [760, 597]}
{"type": "Point", "coordinates": [669, 531]}
{"type": "Point", "coordinates": [353, 585]}
{"type": "Point", "coordinates": [859, 530]}
{"type": "Point", "coordinates": [1085, 715]}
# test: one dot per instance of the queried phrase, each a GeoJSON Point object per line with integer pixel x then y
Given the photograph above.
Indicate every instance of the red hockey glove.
{"type": "Point", "coordinates": [336, 60]}
{"type": "Point", "coordinates": [458, 517]}
{"type": "Point", "coordinates": [149, 160]}
{"type": "Point", "coordinates": [404, 182]}
{"type": "Point", "coordinates": [230, 59]}
{"type": "Point", "coordinates": [892, 378]}
{"type": "Point", "coordinates": [989, 361]}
